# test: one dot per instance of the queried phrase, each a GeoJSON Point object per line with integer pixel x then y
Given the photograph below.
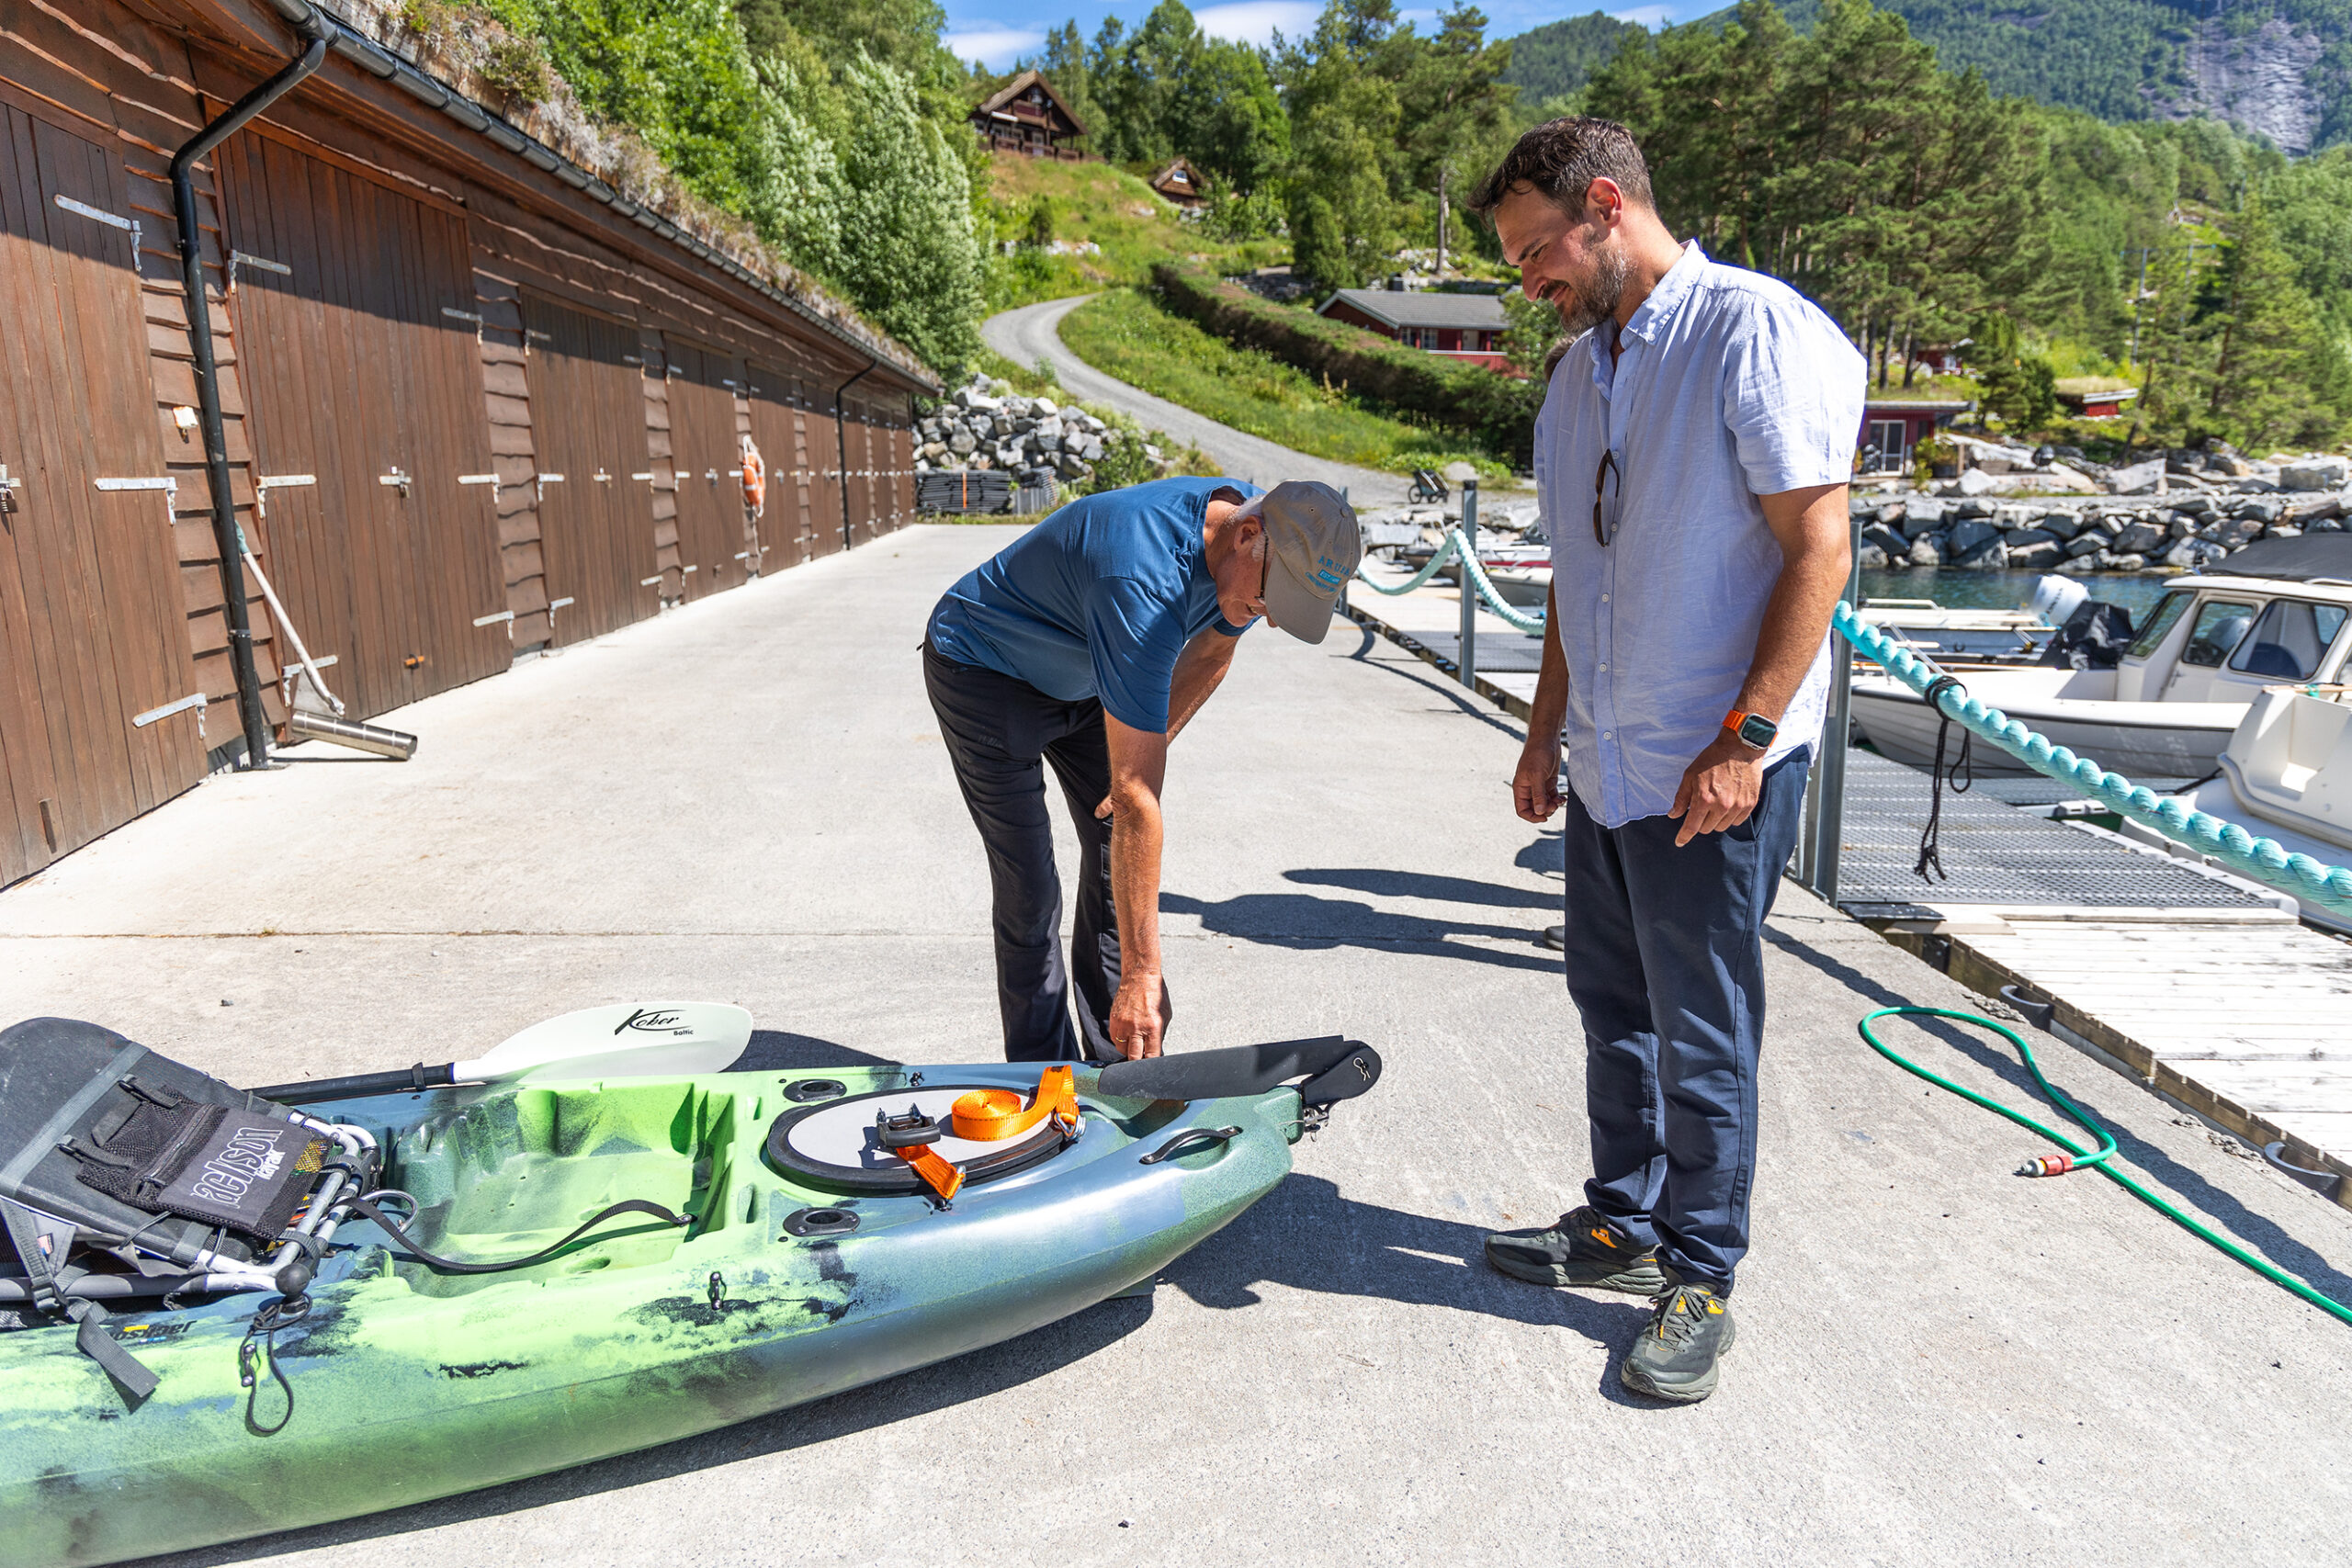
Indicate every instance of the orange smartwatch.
{"type": "Point", "coordinates": [1755, 731]}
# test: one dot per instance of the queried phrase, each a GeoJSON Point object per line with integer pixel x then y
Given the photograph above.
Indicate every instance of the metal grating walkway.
{"type": "Point", "coordinates": [1995, 853]}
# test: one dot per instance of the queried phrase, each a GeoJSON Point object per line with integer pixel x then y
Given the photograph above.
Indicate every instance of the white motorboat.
{"type": "Point", "coordinates": [2211, 643]}
{"type": "Point", "coordinates": [2286, 775]}
{"type": "Point", "coordinates": [1929, 628]}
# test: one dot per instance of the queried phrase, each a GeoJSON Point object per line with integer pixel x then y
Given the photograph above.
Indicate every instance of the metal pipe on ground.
{"type": "Point", "coordinates": [303, 724]}
{"type": "Point", "coordinates": [227, 540]}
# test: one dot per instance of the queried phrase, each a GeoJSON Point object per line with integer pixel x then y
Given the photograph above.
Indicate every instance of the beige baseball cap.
{"type": "Point", "coordinates": [1312, 548]}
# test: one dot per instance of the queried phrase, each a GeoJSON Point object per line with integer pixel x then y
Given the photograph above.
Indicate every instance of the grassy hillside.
{"type": "Point", "coordinates": [1124, 335]}
{"type": "Point", "coordinates": [1097, 203]}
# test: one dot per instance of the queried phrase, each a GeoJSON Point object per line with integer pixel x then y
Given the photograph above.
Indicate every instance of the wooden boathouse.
{"type": "Point", "coordinates": [472, 397]}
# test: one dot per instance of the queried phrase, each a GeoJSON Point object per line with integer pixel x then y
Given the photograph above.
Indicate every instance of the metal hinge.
{"type": "Point", "coordinates": [649, 581]}
{"type": "Point", "coordinates": [170, 487]}
{"type": "Point", "coordinates": [493, 620]}
{"type": "Point", "coordinates": [491, 479]}
{"type": "Point", "coordinates": [129, 225]}
{"type": "Point", "coordinates": [196, 700]}
{"type": "Point", "coordinates": [246, 258]}
{"type": "Point", "coordinates": [268, 482]}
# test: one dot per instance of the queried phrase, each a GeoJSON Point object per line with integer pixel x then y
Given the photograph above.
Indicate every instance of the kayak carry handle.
{"type": "Point", "coordinates": [1334, 1066]}
{"type": "Point", "coordinates": [1182, 1142]}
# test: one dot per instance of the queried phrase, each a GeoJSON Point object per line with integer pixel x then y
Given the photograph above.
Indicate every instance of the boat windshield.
{"type": "Point", "coordinates": [2160, 625]}
{"type": "Point", "coordinates": [2221, 626]}
{"type": "Point", "coordinates": [2290, 640]}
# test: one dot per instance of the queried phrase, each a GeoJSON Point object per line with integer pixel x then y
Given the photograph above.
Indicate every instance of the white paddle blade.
{"type": "Point", "coordinates": [632, 1039]}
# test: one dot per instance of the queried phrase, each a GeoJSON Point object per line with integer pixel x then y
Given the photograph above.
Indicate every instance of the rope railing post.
{"type": "Point", "coordinates": [1466, 658]}
{"type": "Point", "coordinates": [1826, 829]}
{"type": "Point", "coordinates": [2260, 860]}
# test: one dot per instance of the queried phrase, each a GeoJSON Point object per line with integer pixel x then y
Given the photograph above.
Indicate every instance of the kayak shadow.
{"type": "Point", "coordinates": [781, 1051]}
{"type": "Point", "coordinates": [1307, 1236]}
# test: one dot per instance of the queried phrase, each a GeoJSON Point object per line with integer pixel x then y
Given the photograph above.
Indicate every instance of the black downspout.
{"type": "Point", "coordinates": [841, 445]}
{"type": "Point", "coordinates": [208, 379]}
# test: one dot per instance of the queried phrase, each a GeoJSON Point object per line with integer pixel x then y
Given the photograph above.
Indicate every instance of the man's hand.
{"type": "Point", "coordinates": [1535, 787]}
{"type": "Point", "coordinates": [1139, 1016]}
{"type": "Point", "coordinates": [1719, 788]}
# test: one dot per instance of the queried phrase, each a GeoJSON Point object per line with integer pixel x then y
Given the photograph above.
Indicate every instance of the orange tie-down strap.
{"type": "Point", "coordinates": [988, 1115]}
{"type": "Point", "coordinates": [991, 1115]}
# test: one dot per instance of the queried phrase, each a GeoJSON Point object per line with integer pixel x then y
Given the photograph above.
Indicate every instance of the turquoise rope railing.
{"type": "Point", "coordinates": [2264, 860]}
{"type": "Point", "coordinates": [1453, 547]}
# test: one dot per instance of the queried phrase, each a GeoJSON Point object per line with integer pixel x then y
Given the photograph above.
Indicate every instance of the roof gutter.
{"type": "Point", "coordinates": [379, 61]}
{"type": "Point", "coordinates": [226, 540]}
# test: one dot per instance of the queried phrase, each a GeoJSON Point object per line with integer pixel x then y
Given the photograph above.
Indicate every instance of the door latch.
{"type": "Point", "coordinates": [397, 481]}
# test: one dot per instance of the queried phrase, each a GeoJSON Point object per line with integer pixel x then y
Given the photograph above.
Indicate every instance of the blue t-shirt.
{"type": "Point", "coordinates": [1097, 600]}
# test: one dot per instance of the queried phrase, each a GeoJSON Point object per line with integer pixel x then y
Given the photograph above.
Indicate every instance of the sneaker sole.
{"type": "Point", "coordinates": [1691, 1393]}
{"type": "Point", "coordinates": [1648, 1282]}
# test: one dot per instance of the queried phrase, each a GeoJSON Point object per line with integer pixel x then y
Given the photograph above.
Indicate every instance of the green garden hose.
{"type": "Point", "coordinates": [2076, 1157]}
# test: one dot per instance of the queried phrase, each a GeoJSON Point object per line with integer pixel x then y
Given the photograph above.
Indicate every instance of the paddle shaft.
{"type": "Point", "coordinates": [416, 1079]}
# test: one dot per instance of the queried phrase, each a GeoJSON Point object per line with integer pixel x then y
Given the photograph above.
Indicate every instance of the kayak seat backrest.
{"type": "Point", "coordinates": [63, 1081]}
{"type": "Point", "coordinates": [516, 1171]}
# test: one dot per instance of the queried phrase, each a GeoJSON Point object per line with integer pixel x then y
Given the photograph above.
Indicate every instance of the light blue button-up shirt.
{"type": "Point", "coordinates": [1731, 386]}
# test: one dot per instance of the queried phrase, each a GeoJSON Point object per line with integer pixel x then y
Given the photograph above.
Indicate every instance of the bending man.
{"type": "Point", "coordinates": [1691, 458]}
{"type": "Point", "coordinates": [1088, 643]}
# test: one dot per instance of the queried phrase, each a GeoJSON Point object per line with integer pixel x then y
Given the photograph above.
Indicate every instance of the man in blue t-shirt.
{"type": "Point", "coordinates": [1087, 644]}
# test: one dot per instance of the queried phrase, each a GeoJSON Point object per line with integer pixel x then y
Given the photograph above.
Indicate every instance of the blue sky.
{"type": "Point", "coordinates": [995, 31]}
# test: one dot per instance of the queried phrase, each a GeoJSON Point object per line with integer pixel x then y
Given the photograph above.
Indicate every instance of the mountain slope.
{"type": "Point", "coordinates": [2279, 67]}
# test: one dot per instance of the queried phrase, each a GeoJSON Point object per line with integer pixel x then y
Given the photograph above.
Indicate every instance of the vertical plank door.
{"type": "Point", "coordinates": [362, 371]}
{"type": "Point", "coordinates": [702, 448]}
{"type": "Point", "coordinates": [93, 620]}
{"type": "Point", "coordinates": [787, 529]}
{"type": "Point", "coordinates": [588, 418]}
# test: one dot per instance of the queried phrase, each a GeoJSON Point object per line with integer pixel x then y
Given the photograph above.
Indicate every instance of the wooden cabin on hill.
{"type": "Point", "coordinates": [1027, 116]}
{"type": "Point", "coordinates": [1460, 326]}
{"type": "Point", "coordinates": [460, 397]}
{"type": "Point", "coordinates": [1181, 184]}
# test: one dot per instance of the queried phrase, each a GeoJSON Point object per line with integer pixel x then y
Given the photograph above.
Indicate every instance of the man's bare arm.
{"type": "Point", "coordinates": [1199, 668]}
{"type": "Point", "coordinates": [1535, 787]}
{"type": "Point", "coordinates": [1139, 768]}
{"type": "Point", "coordinates": [1720, 788]}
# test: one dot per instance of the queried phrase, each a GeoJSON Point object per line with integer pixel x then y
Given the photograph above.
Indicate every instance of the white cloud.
{"type": "Point", "coordinates": [1254, 21]}
{"type": "Point", "coordinates": [995, 47]}
{"type": "Point", "coordinates": [1650, 16]}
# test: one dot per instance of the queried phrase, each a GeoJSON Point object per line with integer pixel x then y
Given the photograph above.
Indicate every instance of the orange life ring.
{"type": "Point", "coordinates": [755, 478]}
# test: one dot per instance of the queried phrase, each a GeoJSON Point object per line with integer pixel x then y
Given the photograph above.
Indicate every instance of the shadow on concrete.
{"type": "Point", "coordinates": [1436, 682]}
{"type": "Point", "coordinates": [1301, 920]}
{"type": "Point", "coordinates": [1991, 1054]}
{"type": "Point", "coordinates": [919, 1392]}
{"type": "Point", "coordinates": [1545, 856]}
{"type": "Point", "coordinates": [778, 1051]}
{"type": "Point", "coordinates": [1425, 885]}
{"type": "Point", "coordinates": [1307, 1236]}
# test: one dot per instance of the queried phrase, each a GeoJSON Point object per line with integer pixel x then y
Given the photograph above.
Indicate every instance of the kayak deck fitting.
{"type": "Point", "coordinates": [814, 1259]}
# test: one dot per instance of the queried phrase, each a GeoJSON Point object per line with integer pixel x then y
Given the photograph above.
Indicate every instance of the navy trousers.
{"type": "Point", "coordinates": [1001, 735]}
{"type": "Point", "coordinates": [1666, 964]}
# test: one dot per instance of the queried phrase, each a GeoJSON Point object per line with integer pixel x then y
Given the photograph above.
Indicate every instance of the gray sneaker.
{"type": "Point", "coordinates": [1584, 1249]}
{"type": "Point", "coordinates": [1676, 1357]}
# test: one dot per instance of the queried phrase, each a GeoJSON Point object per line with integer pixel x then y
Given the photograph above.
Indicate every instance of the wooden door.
{"type": "Point", "coordinates": [94, 637]}
{"type": "Point", "coordinates": [857, 445]}
{"type": "Point", "coordinates": [787, 529]}
{"type": "Point", "coordinates": [825, 451]}
{"type": "Point", "coordinates": [588, 417]}
{"type": "Point", "coordinates": [362, 371]}
{"type": "Point", "coordinates": [706, 460]}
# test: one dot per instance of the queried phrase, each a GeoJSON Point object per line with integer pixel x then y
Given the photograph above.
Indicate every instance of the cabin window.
{"type": "Point", "coordinates": [2160, 625]}
{"type": "Point", "coordinates": [2290, 640]}
{"type": "Point", "coordinates": [2221, 626]}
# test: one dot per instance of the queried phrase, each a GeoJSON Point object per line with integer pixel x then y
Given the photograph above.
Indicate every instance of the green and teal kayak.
{"type": "Point", "coordinates": [815, 1262]}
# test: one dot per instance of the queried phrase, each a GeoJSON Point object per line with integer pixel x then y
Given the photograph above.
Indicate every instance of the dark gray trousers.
{"type": "Point", "coordinates": [999, 733]}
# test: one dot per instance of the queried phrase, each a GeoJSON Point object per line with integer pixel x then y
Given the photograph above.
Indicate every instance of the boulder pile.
{"type": "Point", "coordinates": [1036, 440]}
{"type": "Point", "coordinates": [2068, 535]}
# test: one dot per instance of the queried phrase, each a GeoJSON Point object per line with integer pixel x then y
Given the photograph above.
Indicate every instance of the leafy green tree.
{"type": "Point", "coordinates": [1453, 108]}
{"type": "Point", "coordinates": [910, 255]}
{"type": "Point", "coordinates": [903, 34]}
{"type": "Point", "coordinates": [798, 204]}
{"type": "Point", "coordinates": [2020, 386]}
{"type": "Point", "coordinates": [2279, 375]}
{"type": "Point", "coordinates": [1343, 117]}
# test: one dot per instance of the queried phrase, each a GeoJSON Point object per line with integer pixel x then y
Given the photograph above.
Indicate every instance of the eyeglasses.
{"type": "Point", "coordinates": [1604, 531]}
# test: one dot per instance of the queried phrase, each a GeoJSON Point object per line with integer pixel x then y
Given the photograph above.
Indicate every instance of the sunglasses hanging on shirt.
{"type": "Point", "coordinates": [1604, 505]}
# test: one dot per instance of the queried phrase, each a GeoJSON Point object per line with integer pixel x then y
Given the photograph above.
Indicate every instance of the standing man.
{"type": "Point", "coordinates": [1088, 643]}
{"type": "Point", "coordinates": [1692, 459]}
